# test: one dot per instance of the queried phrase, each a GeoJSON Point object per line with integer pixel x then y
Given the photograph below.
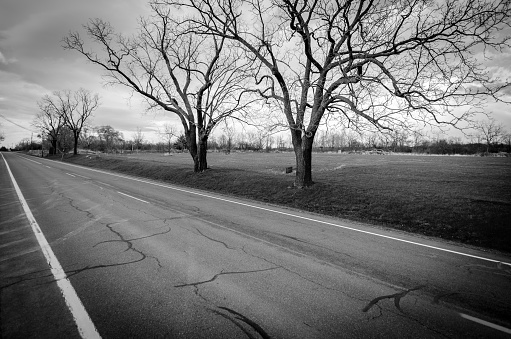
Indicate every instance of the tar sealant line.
{"type": "Point", "coordinates": [294, 215]}
{"type": "Point", "coordinates": [84, 323]}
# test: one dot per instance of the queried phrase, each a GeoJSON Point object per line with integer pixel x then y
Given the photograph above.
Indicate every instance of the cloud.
{"type": "Point", "coordinates": [5, 61]}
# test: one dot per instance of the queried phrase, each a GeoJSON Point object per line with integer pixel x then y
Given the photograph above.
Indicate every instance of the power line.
{"type": "Point", "coordinates": [12, 122]}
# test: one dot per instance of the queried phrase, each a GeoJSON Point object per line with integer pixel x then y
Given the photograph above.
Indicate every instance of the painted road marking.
{"type": "Point", "coordinates": [47, 166]}
{"type": "Point", "coordinates": [147, 202]}
{"type": "Point", "coordinates": [31, 160]}
{"type": "Point", "coordinates": [84, 323]}
{"type": "Point", "coordinates": [70, 175]}
{"type": "Point", "coordinates": [81, 176]}
{"type": "Point", "coordinates": [486, 323]}
{"type": "Point", "coordinates": [293, 215]}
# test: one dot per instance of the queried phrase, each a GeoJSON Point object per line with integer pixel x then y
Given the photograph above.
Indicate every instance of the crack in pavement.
{"type": "Point", "coordinates": [224, 273]}
{"type": "Point", "coordinates": [499, 269]}
{"type": "Point", "coordinates": [407, 316]}
{"type": "Point", "coordinates": [70, 273]}
{"type": "Point", "coordinates": [215, 240]}
{"type": "Point", "coordinates": [312, 244]}
{"type": "Point", "coordinates": [397, 298]}
{"type": "Point", "coordinates": [129, 243]}
{"type": "Point", "coordinates": [436, 299]}
{"type": "Point", "coordinates": [233, 316]}
{"type": "Point", "coordinates": [302, 277]}
{"type": "Point", "coordinates": [25, 277]}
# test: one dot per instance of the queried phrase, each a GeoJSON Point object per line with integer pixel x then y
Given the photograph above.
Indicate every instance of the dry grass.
{"type": "Point", "coordinates": [466, 199]}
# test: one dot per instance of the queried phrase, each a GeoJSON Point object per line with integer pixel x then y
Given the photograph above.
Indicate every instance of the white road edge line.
{"type": "Point", "coordinates": [84, 323]}
{"type": "Point", "coordinates": [70, 174]}
{"type": "Point", "coordinates": [486, 323]}
{"type": "Point", "coordinates": [294, 215]}
{"type": "Point", "coordinates": [147, 202]}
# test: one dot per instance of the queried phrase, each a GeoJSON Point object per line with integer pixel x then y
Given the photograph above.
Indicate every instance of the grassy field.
{"type": "Point", "coordinates": [465, 199]}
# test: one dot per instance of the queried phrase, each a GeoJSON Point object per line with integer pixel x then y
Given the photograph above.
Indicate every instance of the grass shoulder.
{"type": "Point", "coordinates": [465, 200]}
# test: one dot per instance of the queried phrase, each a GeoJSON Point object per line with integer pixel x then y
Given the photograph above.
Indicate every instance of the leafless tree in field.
{"type": "Point", "coordinates": [138, 138]}
{"type": "Point", "coordinates": [49, 120]}
{"type": "Point", "coordinates": [197, 77]}
{"type": "Point", "coordinates": [490, 131]}
{"type": "Point", "coordinates": [386, 63]}
{"type": "Point", "coordinates": [84, 103]}
{"type": "Point", "coordinates": [168, 133]}
{"type": "Point", "coordinates": [66, 109]}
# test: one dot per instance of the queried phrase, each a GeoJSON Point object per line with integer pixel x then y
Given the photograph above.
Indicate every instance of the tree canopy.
{"type": "Point", "coordinates": [389, 64]}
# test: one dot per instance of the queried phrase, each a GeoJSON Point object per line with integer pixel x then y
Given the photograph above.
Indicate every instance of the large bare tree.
{"type": "Point", "coordinates": [49, 120]}
{"type": "Point", "coordinates": [84, 104]}
{"type": "Point", "coordinates": [388, 63]}
{"type": "Point", "coordinates": [490, 130]}
{"type": "Point", "coordinates": [198, 78]}
{"type": "Point", "coordinates": [68, 108]}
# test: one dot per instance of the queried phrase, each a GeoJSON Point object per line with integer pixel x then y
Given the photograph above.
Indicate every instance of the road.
{"type": "Point", "coordinates": [151, 260]}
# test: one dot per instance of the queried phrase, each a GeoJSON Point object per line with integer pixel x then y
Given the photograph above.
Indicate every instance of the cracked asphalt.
{"type": "Point", "coordinates": [150, 261]}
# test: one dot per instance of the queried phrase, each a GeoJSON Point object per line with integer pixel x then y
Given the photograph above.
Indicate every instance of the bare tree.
{"type": "Point", "coordinates": [490, 131]}
{"type": "Point", "coordinates": [77, 109]}
{"type": "Point", "coordinates": [168, 133]}
{"type": "Point", "coordinates": [198, 78]}
{"type": "Point", "coordinates": [138, 138]}
{"type": "Point", "coordinates": [229, 132]}
{"type": "Point", "coordinates": [72, 110]}
{"type": "Point", "coordinates": [385, 63]}
{"type": "Point", "coordinates": [49, 120]}
{"type": "Point", "coordinates": [76, 120]}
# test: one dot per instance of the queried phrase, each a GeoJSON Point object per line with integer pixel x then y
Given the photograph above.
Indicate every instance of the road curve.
{"type": "Point", "coordinates": [148, 259]}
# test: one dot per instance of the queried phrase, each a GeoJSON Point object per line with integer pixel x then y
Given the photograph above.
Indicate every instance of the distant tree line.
{"type": "Point", "coordinates": [106, 139]}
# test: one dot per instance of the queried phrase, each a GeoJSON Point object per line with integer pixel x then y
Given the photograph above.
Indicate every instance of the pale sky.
{"type": "Point", "coordinates": [33, 64]}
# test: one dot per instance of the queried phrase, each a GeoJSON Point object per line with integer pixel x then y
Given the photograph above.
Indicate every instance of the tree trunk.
{"type": "Point", "coordinates": [303, 154]}
{"type": "Point", "coordinates": [203, 152]}
{"type": "Point", "coordinates": [53, 146]}
{"type": "Point", "coordinates": [75, 148]}
{"type": "Point", "coordinates": [191, 139]}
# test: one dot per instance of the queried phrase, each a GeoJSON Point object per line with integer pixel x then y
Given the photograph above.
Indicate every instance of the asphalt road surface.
{"type": "Point", "coordinates": [150, 260]}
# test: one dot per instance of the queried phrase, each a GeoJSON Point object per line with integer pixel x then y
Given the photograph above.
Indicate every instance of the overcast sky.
{"type": "Point", "coordinates": [33, 64]}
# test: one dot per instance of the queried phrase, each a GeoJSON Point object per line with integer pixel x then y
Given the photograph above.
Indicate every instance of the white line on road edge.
{"type": "Point", "coordinates": [133, 197]}
{"type": "Point", "coordinates": [80, 315]}
{"type": "Point", "coordinates": [291, 215]}
{"type": "Point", "coordinates": [70, 175]}
{"type": "Point", "coordinates": [486, 323]}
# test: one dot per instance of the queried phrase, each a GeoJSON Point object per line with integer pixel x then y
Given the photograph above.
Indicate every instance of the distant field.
{"type": "Point", "coordinates": [466, 199]}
